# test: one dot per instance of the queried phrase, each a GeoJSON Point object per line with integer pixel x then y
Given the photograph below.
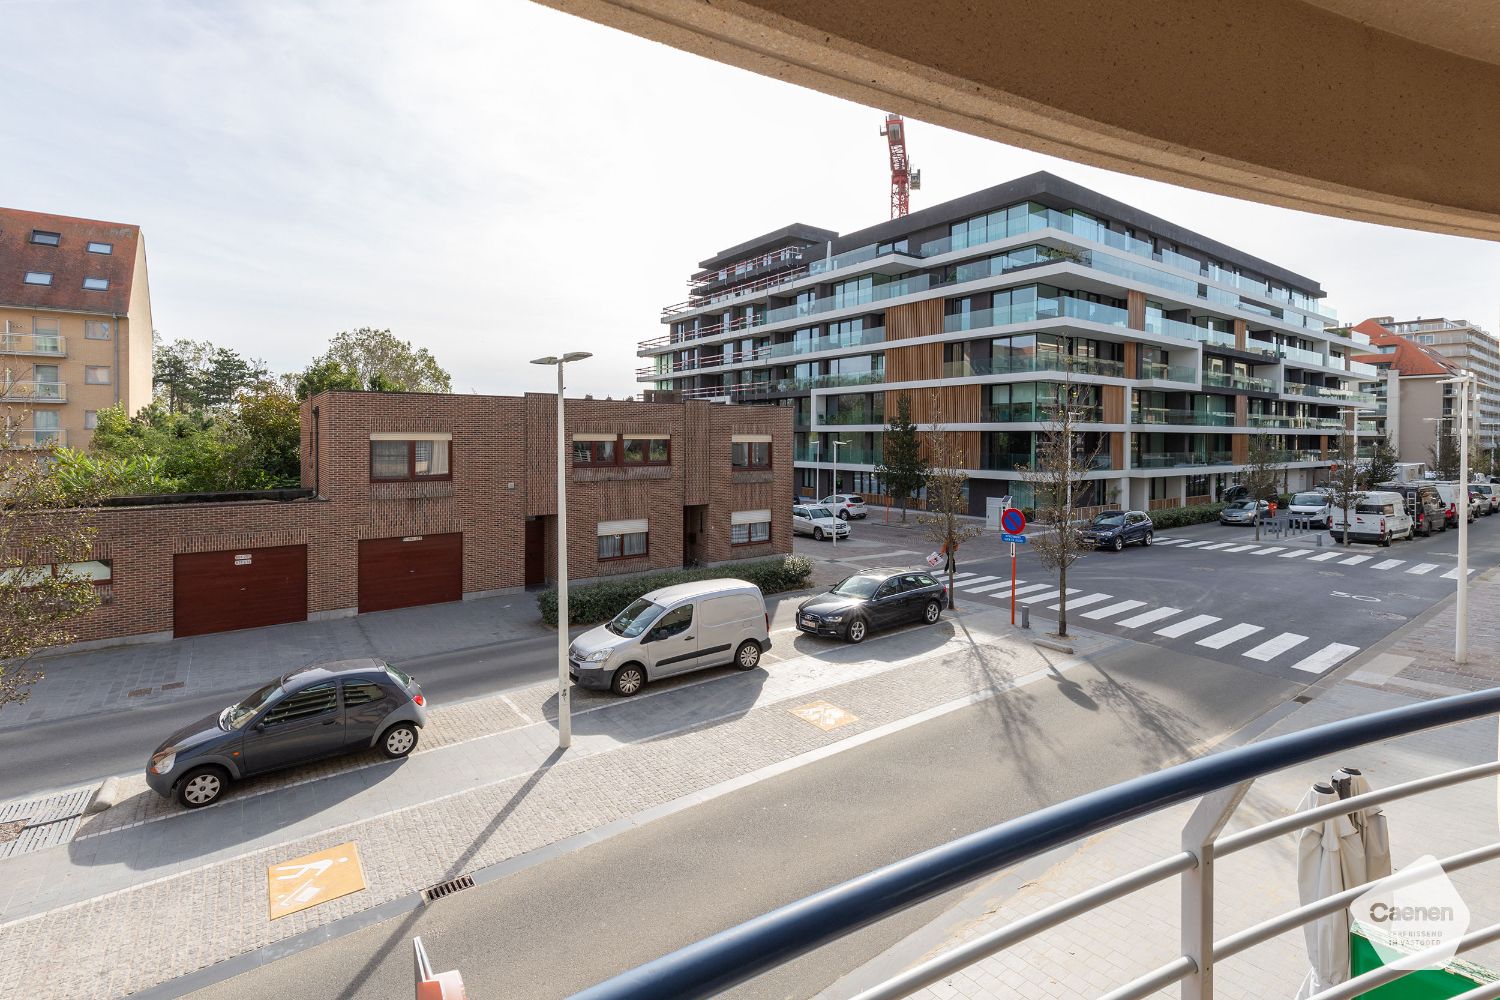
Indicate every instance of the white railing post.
{"type": "Point", "coordinates": [1198, 837]}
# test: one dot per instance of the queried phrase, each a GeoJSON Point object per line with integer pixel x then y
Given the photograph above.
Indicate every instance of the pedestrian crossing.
{"type": "Point", "coordinates": [1210, 632]}
{"type": "Point", "coordinates": [1337, 556]}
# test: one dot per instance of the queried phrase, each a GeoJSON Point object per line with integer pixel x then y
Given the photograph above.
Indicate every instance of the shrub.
{"type": "Point", "coordinates": [1177, 517]}
{"type": "Point", "coordinates": [601, 601]}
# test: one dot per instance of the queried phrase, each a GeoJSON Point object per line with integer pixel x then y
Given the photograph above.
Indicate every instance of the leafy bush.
{"type": "Point", "coordinates": [601, 601]}
{"type": "Point", "coordinates": [1178, 517]}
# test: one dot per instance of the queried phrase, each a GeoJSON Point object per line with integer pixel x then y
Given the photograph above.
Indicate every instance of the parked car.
{"type": "Point", "coordinates": [1480, 499]}
{"type": "Point", "coordinates": [1449, 493]}
{"type": "Point", "coordinates": [1311, 508]}
{"type": "Point", "coordinates": [1115, 529]}
{"type": "Point", "coordinates": [871, 600]}
{"type": "Point", "coordinates": [1490, 494]}
{"type": "Point", "coordinates": [847, 505]}
{"type": "Point", "coordinates": [317, 711]}
{"type": "Point", "coordinates": [818, 521]}
{"type": "Point", "coordinates": [689, 626]}
{"type": "Point", "coordinates": [1379, 516]}
{"type": "Point", "coordinates": [1233, 493]}
{"type": "Point", "coordinates": [1243, 512]}
{"type": "Point", "coordinates": [1423, 503]}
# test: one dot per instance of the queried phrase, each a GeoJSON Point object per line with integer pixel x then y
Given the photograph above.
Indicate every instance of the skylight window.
{"type": "Point", "coordinates": [101, 248]}
{"type": "Point", "coordinates": [38, 277]}
{"type": "Point", "coordinates": [96, 284]}
{"type": "Point", "coordinates": [45, 239]}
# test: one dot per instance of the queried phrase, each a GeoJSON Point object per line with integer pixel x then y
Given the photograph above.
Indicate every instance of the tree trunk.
{"type": "Point", "coordinates": [1062, 607]}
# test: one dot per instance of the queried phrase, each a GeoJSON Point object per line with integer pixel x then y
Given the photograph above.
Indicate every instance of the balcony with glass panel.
{"type": "Point", "coordinates": [1167, 372]}
{"type": "Point", "coordinates": [45, 345]}
{"type": "Point", "coordinates": [1185, 417]}
{"type": "Point", "coordinates": [1044, 362]}
{"type": "Point", "coordinates": [1180, 459]}
{"type": "Point", "coordinates": [1031, 412]}
{"type": "Point", "coordinates": [33, 392]}
{"type": "Point", "coordinates": [850, 455]}
{"type": "Point", "coordinates": [1228, 380]}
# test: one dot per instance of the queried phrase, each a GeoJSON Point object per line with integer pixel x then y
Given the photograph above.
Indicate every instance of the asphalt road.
{"type": "Point", "coordinates": [570, 922]}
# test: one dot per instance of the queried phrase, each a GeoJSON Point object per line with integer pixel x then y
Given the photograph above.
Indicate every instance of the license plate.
{"type": "Point", "coordinates": [810, 622]}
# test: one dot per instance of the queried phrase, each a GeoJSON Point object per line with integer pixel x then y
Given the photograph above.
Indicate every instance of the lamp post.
{"type": "Point", "coordinates": [1465, 382]}
{"type": "Point", "coordinates": [564, 709]}
{"type": "Point", "coordinates": [836, 444]}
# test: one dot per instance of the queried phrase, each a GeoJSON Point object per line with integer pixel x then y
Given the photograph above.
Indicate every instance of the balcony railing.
{"type": "Point", "coordinates": [852, 455]}
{"type": "Point", "coordinates": [34, 437]}
{"type": "Point", "coordinates": [1048, 362]}
{"type": "Point", "coordinates": [1294, 422]}
{"type": "Point", "coordinates": [34, 392]}
{"type": "Point", "coordinates": [1170, 373]}
{"type": "Point", "coordinates": [48, 345]}
{"type": "Point", "coordinates": [842, 417]}
{"type": "Point", "coordinates": [1176, 459]}
{"type": "Point", "coordinates": [1195, 418]}
{"type": "Point", "coordinates": [1229, 381]}
{"type": "Point", "coordinates": [1342, 395]}
{"type": "Point", "coordinates": [1016, 413]}
{"type": "Point", "coordinates": [1298, 455]}
{"type": "Point", "coordinates": [769, 353]}
{"type": "Point", "coordinates": [1041, 309]}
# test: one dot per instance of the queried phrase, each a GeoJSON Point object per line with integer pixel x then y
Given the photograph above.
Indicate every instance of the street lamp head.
{"type": "Point", "coordinates": [577, 355]}
{"type": "Point", "coordinates": [842, 444]}
{"type": "Point", "coordinates": [549, 360]}
{"type": "Point", "coordinates": [570, 356]}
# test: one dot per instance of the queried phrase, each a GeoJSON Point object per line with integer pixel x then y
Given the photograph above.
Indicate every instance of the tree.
{"type": "Point", "coordinates": [173, 375]}
{"type": "Point", "coordinates": [1262, 474]}
{"type": "Point", "coordinates": [195, 374]}
{"type": "Point", "coordinates": [902, 470]}
{"type": "Point", "coordinates": [325, 375]}
{"type": "Point", "coordinates": [1444, 452]}
{"type": "Point", "coordinates": [270, 420]}
{"type": "Point", "coordinates": [45, 529]}
{"type": "Point", "coordinates": [379, 358]}
{"type": "Point", "coordinates": [1382, 467]}
{"type": "Point", "coordinates": [945, 495]}
{"type": "Point", "coordinates": [224, 376]}
{"type": "Point", "coordinates": [1058, 482]}
{"type": "Point", "coordinates": [1346, 482]}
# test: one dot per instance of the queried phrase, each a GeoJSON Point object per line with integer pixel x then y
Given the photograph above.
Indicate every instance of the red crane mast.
{"type": "Point", "coordinates": [904, 179]}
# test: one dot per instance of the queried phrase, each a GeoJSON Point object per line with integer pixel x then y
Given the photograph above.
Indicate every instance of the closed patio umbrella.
{"type": "Point", "coordinates": [1330, 859]}
{"type": "Point", "coordinates": [1371, 823]}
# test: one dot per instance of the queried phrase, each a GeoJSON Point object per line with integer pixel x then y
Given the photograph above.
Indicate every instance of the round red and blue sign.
{"type": "Point", "coordinates": [1012, 521]}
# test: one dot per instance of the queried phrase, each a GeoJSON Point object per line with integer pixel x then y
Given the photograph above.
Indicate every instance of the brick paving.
{"type": "Point", "coordinates": [68, 935]}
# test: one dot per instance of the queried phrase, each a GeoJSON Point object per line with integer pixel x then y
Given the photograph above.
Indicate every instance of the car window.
{"type": "Point", "coordinates": [860, 585]}
{"type": "Point", "coordinates": [635, 619]}
{"type": "Point", "coordinates": [799, 511]}
{"type": "Point", "coordinates": [924, 580]}
{"type": "Point", "coordinates": [914, 581]}
{"type": "Point", "coordinates": [361, 693]}
{"type": "Point", "coordinates": [402, 678]}
{"type": "Point", "coordinates": [817, 512]}
{"type": "Point", "coordinates": [1109, 520]}
{"type": "Point", "coordinates": [235, 716]}
{"type": "Point", "coordinates": [675, 622]}
{"type": "Point", "coordinates": [310, 701]}
{"type": "Point", "coordinates": [854, 499]}
{"type": "Point", "coordinates": [1309, 499]}
{"type": "Point", "coordinates": [890, 587]}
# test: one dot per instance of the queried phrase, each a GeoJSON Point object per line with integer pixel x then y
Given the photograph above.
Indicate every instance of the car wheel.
{"type": "Point", "coordinates": [747, 657]}
{"type": "Point", "coordinates": [932, 612]}
{"type": "Point", "coordinates": [628, 680]}
{"type": "Point", "coordinates": [202, 786]}
{"type": "Point", "coordinates": [399, 740]}
{"type": "Point", "coordinates": [1385, 541]}
{"type": "Point", "coordinates": [843, 515]}
{"type": "Point", "coordinates": [818, 534]}
{"type": "Point", "coordinates": [857, 630]}
{"type": "Point", "coordinates": [1148, 539]}
{"type": "Point", "coordinates": [1119, 543]}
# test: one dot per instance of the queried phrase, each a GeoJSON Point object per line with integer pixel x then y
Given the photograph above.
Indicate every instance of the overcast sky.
{"type": "Point", "coordinates": [497, 180]}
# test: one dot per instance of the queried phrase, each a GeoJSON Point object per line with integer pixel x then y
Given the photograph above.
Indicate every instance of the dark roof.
{"type": "Point", "coordinates": [1409, 358]}
{"type": "Point", "coordinates": [69, 262]}
{"type": "Point", "coordinates": [797, 232]}
{"type": "Point", "coordinates": [1056, 192]}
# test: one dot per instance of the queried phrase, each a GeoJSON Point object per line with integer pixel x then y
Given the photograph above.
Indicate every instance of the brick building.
{"type": "Point", "coordinates": [413, 498]}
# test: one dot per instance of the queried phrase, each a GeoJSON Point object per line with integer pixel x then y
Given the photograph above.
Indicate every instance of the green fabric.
{"type": "Point", "coordinates": [1424, 984]}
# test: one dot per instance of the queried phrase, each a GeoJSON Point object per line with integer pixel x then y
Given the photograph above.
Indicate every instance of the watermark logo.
{"type": "Point", "coordinates": [1415, 918]}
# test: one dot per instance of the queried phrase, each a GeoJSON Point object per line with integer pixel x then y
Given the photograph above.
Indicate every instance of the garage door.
{"type": "Point", "coordinates": [238, 588]}
{"type": "Point", "coordinates": [417, 569]}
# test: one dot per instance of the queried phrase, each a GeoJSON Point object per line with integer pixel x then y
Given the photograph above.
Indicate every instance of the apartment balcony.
{"type": "Point", "coordinates": [851, 455]}
{"type": "Point", "coordinates": [1298, 455]}
{"type": "Point", "coordinates": [1166, 372]}
{"type": "Point", "coordinates": [34, 437]}
{"type": "Point", "coordinates": [1031, 312]}
{"type": "Point", "coordinates": [1179, 417]}
{"type": "Point", "coordinates": [1179, 459]}
{"type": "Point", "coordinates": [1294, 422]}
{"type": "Point", "coordinates": [1348, 396]}
{"type": "Point", "coordinates": [1022, 413]}
{"type": "Point", "coordinates": [41, 345]}
{"type": "Point", "coordinates": [1225, 380]}
{"type": "Point", "coordinates": [1034, 363]}
{"type": "Point", "coordinates": [770, 387]}
{"type": "Point", "coordinates": [842, 418]}
{"type": "Point", "coordinates": [34, 392]}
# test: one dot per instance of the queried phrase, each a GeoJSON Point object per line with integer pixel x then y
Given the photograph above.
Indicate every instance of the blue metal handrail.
{"type": "Point", "coordinates": [716, 963]}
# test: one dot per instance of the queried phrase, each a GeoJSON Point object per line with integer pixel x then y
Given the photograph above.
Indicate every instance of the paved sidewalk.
{"type": "Point", "coordinates": [76, 918]}
{"type": "Point", "coordinates": [1094, 953]}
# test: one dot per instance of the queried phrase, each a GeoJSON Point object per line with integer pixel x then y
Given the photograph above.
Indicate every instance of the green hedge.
{"type": "Point", "coordinates": [1177, 517]}
{"type": "Point", "coordinates": [599, 602]}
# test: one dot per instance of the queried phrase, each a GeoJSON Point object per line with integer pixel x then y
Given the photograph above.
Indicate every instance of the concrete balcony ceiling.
{"type": "Point", "coordinates": [1378, 110]}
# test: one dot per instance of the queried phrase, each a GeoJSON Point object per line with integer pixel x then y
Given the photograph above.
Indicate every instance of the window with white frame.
{"type": "Point", "coordinates": [750, 451]}
{"type": "Point", "coordinates": [96, 329]}
{"type": "Point", "coordinates": [96, 375]}
{"type": "Point", "coordinates": [623, 539]}
{"type": "Point", "coordinates": [749, 527]}
{"type": "Point", "coordinates": [90, 419]}
{"type": "Point", "coordinates": [399, 456]}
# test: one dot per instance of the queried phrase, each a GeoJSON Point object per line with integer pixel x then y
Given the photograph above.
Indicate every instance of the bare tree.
{"type": "Point", "coordinates": [942, 520]}
{"type": "Point", "coordinates": [1058, 479]}
{"type": "Point", "coordinates": [1346, 482]}
{"type": "Point", "coordinates": [1262, 474]}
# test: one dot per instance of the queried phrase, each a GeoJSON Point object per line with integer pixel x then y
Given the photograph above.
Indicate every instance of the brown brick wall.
{"type": "Point", "coordinates": [504, 469]}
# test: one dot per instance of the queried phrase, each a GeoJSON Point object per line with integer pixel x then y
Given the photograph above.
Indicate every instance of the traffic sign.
{"type": "Point", "coordinates": [1012, 521]}
{"type": "Point", "coordinates": [1006, 536]}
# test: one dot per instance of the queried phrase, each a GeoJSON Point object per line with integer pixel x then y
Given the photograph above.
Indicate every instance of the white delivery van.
{"type": "Point", "coordinates": [1378, 517]}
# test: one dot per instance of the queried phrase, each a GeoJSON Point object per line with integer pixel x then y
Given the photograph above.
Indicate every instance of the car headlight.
{"type": "Point", "coordinates": [833, 619]}
{"type": "Point", "coordinates": [597, 656]}
{"type": "Point", "coordinates": [162, 762]}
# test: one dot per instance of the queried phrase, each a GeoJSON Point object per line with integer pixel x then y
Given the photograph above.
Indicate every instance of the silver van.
{"type": "Point", "coordinates": [691, 626]}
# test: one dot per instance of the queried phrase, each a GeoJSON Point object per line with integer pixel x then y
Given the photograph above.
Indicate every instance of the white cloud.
{"type": "Point", "coordinates": [485, 178]}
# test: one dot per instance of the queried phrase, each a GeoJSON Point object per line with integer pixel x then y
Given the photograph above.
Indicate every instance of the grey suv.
{"type": "Point", "coordinates": [318, 711]}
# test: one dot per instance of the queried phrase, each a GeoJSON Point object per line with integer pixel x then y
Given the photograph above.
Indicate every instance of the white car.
{"type": "Point", "coordinates": [818, 521]}
{"type": "Point", "coordinates": [846, 505]}
{"type": "Point", "coordinates": [1378, 517]}
{"type": "Point", "coordinates": [1311, 508]}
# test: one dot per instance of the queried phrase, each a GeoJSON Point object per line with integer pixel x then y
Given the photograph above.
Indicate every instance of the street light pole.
{"type": "Point", "coordinates": [836, 488]}
{"type": "Point", "coordinates": [1461, 627]}
{"type": "Point", "coordinates": [564, 685]}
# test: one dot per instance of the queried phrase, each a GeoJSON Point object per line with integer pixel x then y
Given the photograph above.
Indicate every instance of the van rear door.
{"type": "Point", "coordinates": [728, 620]}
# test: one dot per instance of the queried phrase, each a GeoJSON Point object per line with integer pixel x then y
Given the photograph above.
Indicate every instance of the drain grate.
{"type": "Point", "coordinates": [1302, 699]}
{"type": "Point", "coordinates": [447, 888]}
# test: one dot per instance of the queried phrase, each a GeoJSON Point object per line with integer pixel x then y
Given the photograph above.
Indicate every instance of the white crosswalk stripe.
{"type": "Point", "coordinates": [1217, 545]}
{"type": "Point", "coordinates": [1158, 540]}
{"type": "Point", "coordinates": [1267, 551]}
{"type": "Point", "coordinates": [1048, 597]}
{"type": "Point", "coordinates": [1026, 590]}
{"type": "Point", "coordinates": [989, 586]}
{"type": "Point", "coordinates": [1083, 602]}
{"type": "Point", "coordinates": [1147, 617]}
{"type": "Point", "coordinates": [1355, 560]}
{"type": "Point", "coordinates": [1232, 634]}
{"type": "Point", "coordinates": [1324, 556]}
{"type": "Point", "coordinates": [1293, 554]}
{"type": "Point", "coordinates": [1192, 545]}
{"type": "Point", "coordinates": [879, 556]}
{"type": "Point", "coordinates": [1242, 548]}
{"type": "Point", "coordinates": [1114, 609]}
{"type": "Point", "coordinates": [960, 576]}
{"type": "Point", "coordinates": [1452, 574]}
{"type": "Point", "coordinates": [977, 580]}
{"type": "Point", "coordinates": [1272, 648]}
{"type": "Point", "coordinates": [1389, 564]}
{"type": "Point", "coordinates": [1422, 569]}
{"type": "Point", "coordinates": [1193, 624]}
{"type": "Point", "coordinates": [1326, 658]}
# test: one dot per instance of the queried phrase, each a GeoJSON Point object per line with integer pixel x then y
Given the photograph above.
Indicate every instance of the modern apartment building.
{"type": "Point", "coordinates": [982, 308]}
{"type": "Point", "coordinates": [75, 326]}
{"type": "Point", "coordinates": [1412, 397]}
{"type": "Point", "coordinates": [1469, 347]}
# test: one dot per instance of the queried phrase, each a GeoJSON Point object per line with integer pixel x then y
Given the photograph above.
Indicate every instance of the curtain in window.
{"type": "Point", "coordinates": [635, 545]}
{"type": "Point", "coordinates": [388, 459]}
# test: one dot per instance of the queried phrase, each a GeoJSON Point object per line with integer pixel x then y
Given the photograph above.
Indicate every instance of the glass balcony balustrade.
{"type": "Point", "coordinates": [1185, 417]}
{"type": "Point", "coordinates": [1226, 380]}
{"type": "Point", "coordinates": [1045, 362]}
{"type": "Point", "coordinates": [1176, 459]}
{"type": "Point", "coordinates": [1016, 413]}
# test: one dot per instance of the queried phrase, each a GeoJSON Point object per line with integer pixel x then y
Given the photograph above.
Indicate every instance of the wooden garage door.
{"type": "Point", "coordinates": [403, 572]}
{"type": "Point", "coordinates": [238, 588]}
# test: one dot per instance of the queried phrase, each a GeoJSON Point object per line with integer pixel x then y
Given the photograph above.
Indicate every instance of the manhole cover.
{"type": "Point", "coordinates": [10, 831]}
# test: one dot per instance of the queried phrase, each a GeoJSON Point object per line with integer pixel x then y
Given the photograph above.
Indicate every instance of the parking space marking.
{"type": "Point", "coordinates": [1147, 617]}
{"type": "Point", "coordinates": [1217, 545]}
{"type": "Point", "coordinates": [1114, 609]}
{"type": "Point", "coordinates": [1047, 597]}
{"type": "Point", "coordinates": [989, 586]}
{"type": "Point", "coordinates": [1388, 564]}
{"type": "Point", "coordinates": [1193, 624]}
{"type": "Point", "coordinates": [1293, 554]}
{"type": "Point", "coordinates": [1452, 574]}
{"type": "Point", "coordinates": [1083, 602]}
{"type": "Point", "coordinates": [1355, 560]}
{"type": "Point", "coordinates": [1242, 548]}
{"type": "Point", "coordinates": [1232, 634]}
{"type": "Point", "coordinates": [1192, 545]}
{"type": "Point", "coordinates": [1326, 658]}
{"type": "Point", "coordinates": [1422, 569]}
{"type": "Point", "coordinates": [1267, 551]}
{"type": "Point", "coordinates": [1324, 556]}
{"type": "Point", "coordinates": [1272, 648]}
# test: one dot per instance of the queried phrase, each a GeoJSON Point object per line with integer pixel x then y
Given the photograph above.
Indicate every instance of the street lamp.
{"type": "Point", "coordinates": [1461, 629]}
{"type": "Point", "coordinates": [564, 711]}
{"type": "Point", "coordinates": [836, 487]}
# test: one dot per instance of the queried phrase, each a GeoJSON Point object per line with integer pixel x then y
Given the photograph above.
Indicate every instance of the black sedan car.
{"type": "Point", "coordinates": [1115, 529]}
{"type": "Point", "coordinates": [317, 711]}
{"type": "Point", "coordinates": [870, 600]}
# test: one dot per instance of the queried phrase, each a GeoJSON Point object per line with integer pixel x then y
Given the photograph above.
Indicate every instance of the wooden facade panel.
{"type": "Point", "coordinates": [911, 364]}
{"type": "Point", "coordinates": [1117, 450]}
{"type": "Point", "coordinates": [1131, 354]}
{"type": "Point", "coordinates": [1241, 411]}
{"type": "Point", "coordinates": [1239, 334]}
{"type": "Point", "coordinates": [1239, 449]}
{"type": "Point", "coordinates": [1135, 310]}
{"type": "Point", "coordinates": [947, 404]}
{"type": "Point", "coordinates": [915, 319]}
{"type": "Point", "coordinates": [1113, 399]}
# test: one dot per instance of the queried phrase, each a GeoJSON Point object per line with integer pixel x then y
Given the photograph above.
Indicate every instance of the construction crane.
{"type": "Point", "coordinates": [904, 179]}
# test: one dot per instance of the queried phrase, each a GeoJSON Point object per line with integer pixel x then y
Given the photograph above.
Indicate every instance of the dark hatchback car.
{"type": "Point", "coordinates": [1115, 529]}
{"type": "Point", "coordinates": [871, 600]}
{"type": "Point", "coordinates": [318, 711]}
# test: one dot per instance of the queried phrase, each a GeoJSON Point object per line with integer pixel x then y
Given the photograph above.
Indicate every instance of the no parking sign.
{"type": "Point", "coordinates": [1012, 521]}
